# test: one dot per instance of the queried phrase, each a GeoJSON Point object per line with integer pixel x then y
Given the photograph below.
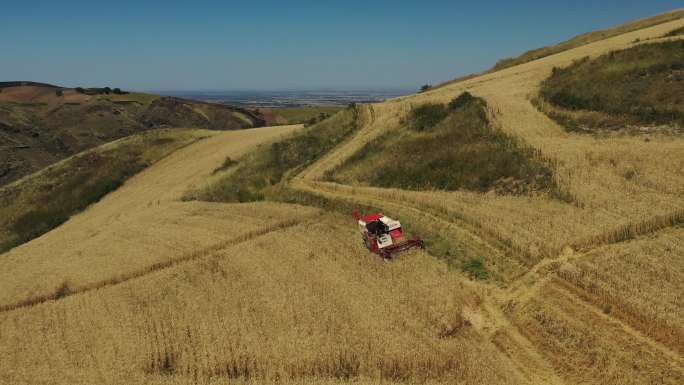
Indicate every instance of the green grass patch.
{"type": "Point", "coordinates": [447, 147]}
{"type": "Point", "coordinates": [39, 202]}
{"type": "Point", "coordinates": [426, 116]}
{"type": "Point", "coordinates": [132, 97]}
{"type": "Point", "coordinates": [269, 164]}
{"type": "Point", "coordinates": [302, 115]}
{"type": "Point", "coordinates": [638, 86]}
{"type": "Point", "coordinates": [476, 269]}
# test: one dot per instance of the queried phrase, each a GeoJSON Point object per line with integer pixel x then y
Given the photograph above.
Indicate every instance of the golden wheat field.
{"type": "Point", "coordinates": [590, 170]}
{"type": "Point", "coordinates": [145, 288]}
{"type": "Point", "coordinates": [286, 305]}
{"type": "Point", "coordinates": [635, 283]}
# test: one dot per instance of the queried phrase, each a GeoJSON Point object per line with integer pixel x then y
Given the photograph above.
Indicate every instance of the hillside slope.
{"type": "Point", "coordinates": [41, 124]}
{"type": "Point", "coordinates": [144, 288]}
{"type": "Point", "coordinates": [636, 90]}
{"type": "Point", "coordinates": [578, 41]}
{"type": "Point", "coordinates": [168, 265]}
{"type": "Point", "coordinates": [589, 37]}
{"type": "Point", "coordinates": [549, 237]}
{"type": "Point", "coordinates": [43, 200]}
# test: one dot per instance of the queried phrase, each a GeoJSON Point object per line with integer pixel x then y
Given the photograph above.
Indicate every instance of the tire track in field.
{"type": "Point", "coordinates": [567, 288]}
{"type": "Point", "coordinates": [531, 364]}
{"type": "Point", "coordinates": [528, 359]}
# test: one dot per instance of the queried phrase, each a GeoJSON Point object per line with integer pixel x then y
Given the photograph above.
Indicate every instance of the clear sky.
{"type": "Point", "coordinates": [228, 45]}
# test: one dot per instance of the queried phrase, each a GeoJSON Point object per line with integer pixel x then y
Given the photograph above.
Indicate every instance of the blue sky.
{"type": "Point", "coordinates": [222, 45]}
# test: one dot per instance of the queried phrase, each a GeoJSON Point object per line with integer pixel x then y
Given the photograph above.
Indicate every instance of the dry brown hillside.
{"type": "Point", "coordinates": [41, 124]}
{"type": "Point", "coordinates": [145, 288]}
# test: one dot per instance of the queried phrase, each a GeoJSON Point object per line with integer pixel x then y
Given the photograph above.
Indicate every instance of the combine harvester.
{"type": "Point", "coordinates": [383, 235]}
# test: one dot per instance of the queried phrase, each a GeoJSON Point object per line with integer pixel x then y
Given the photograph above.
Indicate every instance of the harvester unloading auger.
{"type": "Point", "coordinates": [383, 235]}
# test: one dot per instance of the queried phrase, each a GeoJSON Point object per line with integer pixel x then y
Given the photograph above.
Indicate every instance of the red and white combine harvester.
{"type": "Point", "coordinates": [383, 235]}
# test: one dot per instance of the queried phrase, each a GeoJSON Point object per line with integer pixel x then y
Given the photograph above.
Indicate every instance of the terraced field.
{"type": "Point", "coordinates": [145, 288]}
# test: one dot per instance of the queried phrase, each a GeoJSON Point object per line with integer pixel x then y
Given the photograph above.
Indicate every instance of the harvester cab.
{"type": "Point", "coordinates": [383, 235]}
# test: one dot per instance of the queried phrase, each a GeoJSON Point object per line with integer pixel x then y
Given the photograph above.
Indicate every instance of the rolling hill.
{"type": "Point", "coordinates": [234, 258]}
{"type": "Point", "coordinates": [39, 202]}
{"type": "Point", "coordinates": [41, 123]}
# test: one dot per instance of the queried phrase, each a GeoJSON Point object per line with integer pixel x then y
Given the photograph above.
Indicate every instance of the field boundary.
{"type": "Point", "coordinates": [64, 290]}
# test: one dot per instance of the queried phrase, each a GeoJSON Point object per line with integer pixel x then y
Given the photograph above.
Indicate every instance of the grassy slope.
{"type": "Point", "coordinates": [39, 202]}
{"type": "Point", "coordinates": [446, 148]}
{"type": "Point", "coordinates": [577, 41]}
{"type": "Point", "coordinates": [143, 226]}
{"type": "Point", "coordinates": [587, 38]}
{"type": "Point", "coordinates": [301, 115]}
{"type": "Point", "coordinates": [637, 86]}
{"type": "Point", "coordinates": [268, 165]}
